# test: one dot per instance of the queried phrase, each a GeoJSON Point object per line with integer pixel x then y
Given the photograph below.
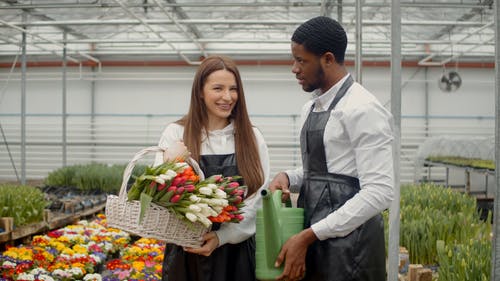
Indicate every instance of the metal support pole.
{"type": "Point", "coordinates": [426, 89]}
{"type": "Point", "coordinates": [23, 106]}
{"type": "Point", "coordinates": [495, 260]}
{"type": "Point", "coordinates": [92, 114]}
{"type": "Point", "coordinates": [358, 59]}
{"type": "Point", "coordinates": [64, 109]}
{"type": "Point", "coordinates": [393, 248]}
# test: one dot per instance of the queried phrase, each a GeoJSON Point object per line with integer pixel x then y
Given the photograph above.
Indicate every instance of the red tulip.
{"type": "Point", "coordinates": [161, 187]}
{"type": "Point", "coordinates": [175, 198]}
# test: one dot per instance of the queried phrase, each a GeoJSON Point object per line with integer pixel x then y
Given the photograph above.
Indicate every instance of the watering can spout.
{"type": "Point", "coordinates": [272, 224]}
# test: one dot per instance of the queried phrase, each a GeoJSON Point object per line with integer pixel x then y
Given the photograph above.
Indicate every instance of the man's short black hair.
{"type": "Point", "coordinates": [320, 35]}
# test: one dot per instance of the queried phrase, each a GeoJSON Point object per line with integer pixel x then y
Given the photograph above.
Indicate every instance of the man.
{"type": "Point", "coordinates": [346, 179]}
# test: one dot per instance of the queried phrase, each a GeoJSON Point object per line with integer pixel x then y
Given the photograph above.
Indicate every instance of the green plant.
{"type": "Point", "coordinates": [430, 213]}
{"type": "Point", "coordinates": [463, 162]}
{"type": "Point", "coordinates": [89, 178]}
{"type": "Point", "coordinates": [24, 203]}
{"type": "Point", "coordinates": [61, 177]}
{"type": "Point", "coordinates": [467, 261]}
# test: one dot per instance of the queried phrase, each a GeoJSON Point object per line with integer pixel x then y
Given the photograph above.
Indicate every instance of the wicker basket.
{"type": "Point", "coordinates": [158, 222]}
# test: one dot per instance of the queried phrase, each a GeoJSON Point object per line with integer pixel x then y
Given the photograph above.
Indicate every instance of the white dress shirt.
{"type": "Point", "coordinates": [222, 142]}
{"type": "Point", "coordinates": [358, 143]}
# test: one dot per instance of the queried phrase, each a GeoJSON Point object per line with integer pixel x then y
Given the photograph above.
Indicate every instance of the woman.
{"type": "Point", "coordinates": [218, 133]}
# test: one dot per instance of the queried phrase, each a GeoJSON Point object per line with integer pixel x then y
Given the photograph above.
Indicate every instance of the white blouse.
{"type": "Point", "coordinates": [358, 142]}
{"type": "Point", "coordinates": [222, 142]}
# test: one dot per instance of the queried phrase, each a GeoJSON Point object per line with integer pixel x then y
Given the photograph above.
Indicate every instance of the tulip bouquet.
{"type": "Point", "coordinates": [175, 186]}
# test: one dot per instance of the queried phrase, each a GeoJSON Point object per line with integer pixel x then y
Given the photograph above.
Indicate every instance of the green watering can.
{"type": "Point", "coordinates": [275, 224]}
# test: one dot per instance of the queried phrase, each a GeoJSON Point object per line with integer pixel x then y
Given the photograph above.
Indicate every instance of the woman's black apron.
{"type": "Point", "coordinates": [361, 254]}
{"type": "Point", "coordinates": [226, 263]}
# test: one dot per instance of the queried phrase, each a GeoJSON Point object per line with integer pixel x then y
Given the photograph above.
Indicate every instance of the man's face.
{"type": "Point", "coordinates": [307, 68]}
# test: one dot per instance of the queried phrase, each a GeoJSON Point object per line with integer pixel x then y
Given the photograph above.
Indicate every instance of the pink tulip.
{"type": "Point", "coordinates": [189, 188]}
{"type": "Point", "coordinates": [172, 188]}
{"type": "Point", "coordinates": [237, 200]}
{"type": "Point", "coordinates": [180, 190]}
{"type": "Point", "coordinates": [233, 184]}
{"type": "Point", "coordinates": [175, 198]}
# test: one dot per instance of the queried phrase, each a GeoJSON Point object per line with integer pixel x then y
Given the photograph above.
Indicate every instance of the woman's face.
{"type": "Point", "coordinates": [220, 94]}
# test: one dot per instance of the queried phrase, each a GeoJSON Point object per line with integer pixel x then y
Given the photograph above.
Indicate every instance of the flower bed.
{"type": "Point", "coordinates": [70, 253]}
{"type": "Point", "coordinates": [140, 261]}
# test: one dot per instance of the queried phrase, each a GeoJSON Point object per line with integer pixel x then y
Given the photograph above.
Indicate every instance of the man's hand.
{"type": "Point", "coordinates": [293, 253]}
{"type": "Point", "coordinates": [280, 181]}
{"type": "Point", "coordinates": [211, 241]}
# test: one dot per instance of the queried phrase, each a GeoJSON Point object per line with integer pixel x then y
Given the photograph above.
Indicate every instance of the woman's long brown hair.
{"type": "Point", "coordinates": [246, 150]}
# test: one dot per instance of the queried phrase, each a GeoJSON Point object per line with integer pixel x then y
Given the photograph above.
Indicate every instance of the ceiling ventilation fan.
{"type": "Point", "coordinates": [449, 81]}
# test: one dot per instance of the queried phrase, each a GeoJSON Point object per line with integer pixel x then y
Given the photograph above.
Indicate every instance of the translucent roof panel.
{"type": "Point", "coordinates": [432, 32]}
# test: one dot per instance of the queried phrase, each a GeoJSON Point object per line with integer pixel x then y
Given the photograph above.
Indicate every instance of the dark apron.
{"type": "Point", "coordinates": [361, 254]}
{"type": "Point", "coordinates": [226, 263]}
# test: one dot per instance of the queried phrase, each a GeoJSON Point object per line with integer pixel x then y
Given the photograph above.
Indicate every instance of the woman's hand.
{"type": "Point", "coordinates": [280, 181]}
{"type": "Point", "coordinates": [211, 241]}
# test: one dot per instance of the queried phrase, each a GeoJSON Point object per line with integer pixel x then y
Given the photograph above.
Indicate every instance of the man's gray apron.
{"type": "Point", "coordinates": [226, 263]}
{"type": "Point", "coordinates": [361, 254]}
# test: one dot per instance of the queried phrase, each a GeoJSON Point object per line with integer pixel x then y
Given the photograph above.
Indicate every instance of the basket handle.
{"type": "Point", "coordinates": [139, 155]}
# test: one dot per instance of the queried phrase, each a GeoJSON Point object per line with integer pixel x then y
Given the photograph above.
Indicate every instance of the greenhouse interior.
{"type": "Point", "coordinates": [87, 88]}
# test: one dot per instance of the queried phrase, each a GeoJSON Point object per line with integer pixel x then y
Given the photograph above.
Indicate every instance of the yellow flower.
{"type": "Point", "coordinates": [48, 256]}
{"type": "Point", "coordinates": [57, 245]}
{"type": "Point", "coordinates": [80, 249]}
{"type": "Point", "coordinates": [79, 265]}
{"type": "Point", "coordinates": [63, 239]}
{"type": "Point", "coordinates": [138, 265]}
{"type": "Point", "coordinates": [68, 251]}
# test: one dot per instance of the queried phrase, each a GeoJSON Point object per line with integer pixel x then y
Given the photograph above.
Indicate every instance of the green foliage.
{"type": "Point", "coordinates": [61, 177]}
{"type": "Point", "coordinates": [464, 162]}
{"type": "Point", "coordinates": [95, 177]}
{"type": "Point", "coordinates": [24, 203]}
{"type": "Point", "coordinates": [467, 261]}
{"type": "Point", "coordinates": [430, 213]}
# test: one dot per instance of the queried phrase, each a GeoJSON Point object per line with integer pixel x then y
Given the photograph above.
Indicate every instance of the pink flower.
{"type": "Point", "coordinates": [233, 184]}
{"type": "Point", "coordinates": [175, 198]}
{"type": "Point", "coordinates": [189, 188]}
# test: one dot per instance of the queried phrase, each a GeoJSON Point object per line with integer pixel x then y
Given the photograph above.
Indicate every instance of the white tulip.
{"type": "Point", "coordinates": [170, 174]}
{"type": "Point", "coordinates": [212, 186]}
{"type": "Point", "coordinates": [205, 190]}
{"type": "Point", "coordinates": [205, 221]}
{"type": "Point", "coordinates": [180, 166]}
{"type": "Point", "coordinates": [195, 208]}
{"type": "Point", "coordinates": [194, 198]}
{"type": "Point", "coordinates": [192, 217]}
{"type": "Point", "coordinates": [220, 193]}
{"type": "Point", "coordinates": [159, 180]}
